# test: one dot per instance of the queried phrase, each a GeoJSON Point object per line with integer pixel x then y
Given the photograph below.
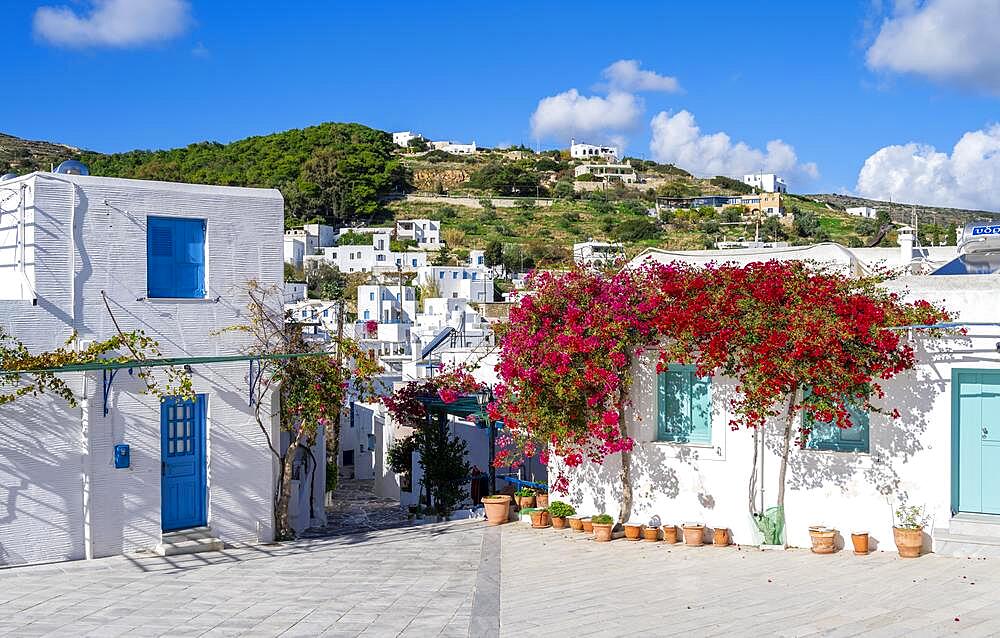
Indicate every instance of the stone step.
{"type": "Point", "coordinates": [948, 543]}
{"type": "Point", "coordinates": [189, 541]}
{"type": "Point", "coordinates": [975, 525]}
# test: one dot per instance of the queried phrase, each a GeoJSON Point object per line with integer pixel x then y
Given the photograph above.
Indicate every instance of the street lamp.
{"type": "Point", "coordinates": [483, 398]}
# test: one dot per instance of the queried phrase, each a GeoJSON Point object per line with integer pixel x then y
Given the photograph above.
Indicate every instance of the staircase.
{"type": "Point", "coordinates": [188, 541]}
{"type": "Point", "coordinates": [969, 535]}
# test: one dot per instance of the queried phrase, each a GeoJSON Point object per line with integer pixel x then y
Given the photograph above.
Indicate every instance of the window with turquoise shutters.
{"type": "Point", "coordinates": [684, 406]}
{"type": "Point", "coordinates": [827, 435]}
{"type": "Point", "coordinates": [175, 257]}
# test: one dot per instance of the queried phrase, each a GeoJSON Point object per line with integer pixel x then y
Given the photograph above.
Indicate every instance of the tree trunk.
{"type": "Point", "coordinates": [786, 448]}
{"type": "Point", "coordinates": [285, 490]}
{"type": "Point", "coordinates": [626, 474]}
{"type": "Point", "coordinates": [752, 491]}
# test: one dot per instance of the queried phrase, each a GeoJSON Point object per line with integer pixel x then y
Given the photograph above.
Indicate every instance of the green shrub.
{"type": "Point", "coordinates": [560, 509]}
{"type": "Point", "coordinates": [602, 519]}
{"type": "Point", "coordinates": [525, 491]}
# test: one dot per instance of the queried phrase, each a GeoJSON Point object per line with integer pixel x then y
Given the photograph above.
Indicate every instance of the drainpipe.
{"type": "Point", "coordinates": [85, 478]}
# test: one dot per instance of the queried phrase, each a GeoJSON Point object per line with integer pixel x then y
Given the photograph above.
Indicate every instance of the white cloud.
{"type": "Point", "coordinates": [115, 23]}
{"type": "Point", "coordinates": [944, 40]}
{"type": "Point", "coordinates": [918, 173]}
{"type": "Point", "coordinates": [570, 114]}
{"type": "Point", "coordinates": [625, 75]}
{"type": "Point", "coordinates": [678, 140]}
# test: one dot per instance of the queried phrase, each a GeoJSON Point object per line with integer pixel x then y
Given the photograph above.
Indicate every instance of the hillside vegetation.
{"type": "Point", "coordinates": [24, 156]}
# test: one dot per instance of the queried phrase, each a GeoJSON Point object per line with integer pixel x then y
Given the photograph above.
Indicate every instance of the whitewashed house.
{"type": "Point", "coordinates": [455, 148]}
{"type": "Point", "coordinates": [943, 452]}
{"type": "Point", "coordinates": [377, 256]}
{"type": "Point", "coordinates": [402, 138]}
{"type": "Point", "coordinates": [608, 173]}
{"type": "Point", "coordinates": [299, 242]}
{"type": "Point", "coordinates": [866, 212]}
{"type": "Point", "coordinates": [458, 282]}
{"type": "Point", "coordinates": [122, 472]}
{"type": "Point", "coordinates": [583, 151]}
{"type": "Point", "coordinates": [426, 232]}
{"type": "Point", "coordinates": [598, 253]}
{"type": "Point", "coordinates": [766, 182]}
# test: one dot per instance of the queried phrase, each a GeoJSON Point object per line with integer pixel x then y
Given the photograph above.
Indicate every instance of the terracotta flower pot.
{"type": "Point", "coordinates": [575, 523]}
{"type": "Point", "coordinates": [669, 534]}
{"type": "Point", "coordinates": [909, 541]}
{"type": "Point", "coordinates": [540, 519]}
{"type": "Point", "coordinates": [633, 531]}
{"type": "Point", "coordinates": [602, 532]}
{"type": "Point", "coordinates": [541, 500]}
{"type": "Point", "coordinates": [720, 537]}
{"type": "Point", "coordinates": [588, 526]}
{"type": "Point", "coordinates": [651, 534]}
{"type": "Point", "coordinates": [524, 502]}
{"type": "Point", "coordinates": [822, 539]}
{"type": "Point", "coordinates": [558, 522]}
{"type": "Point", "coordinates": [694, 535]}
{"type": "Point", "coordinates": [860, 542]}
{"type": "Point", "coordinates": [497, 509]}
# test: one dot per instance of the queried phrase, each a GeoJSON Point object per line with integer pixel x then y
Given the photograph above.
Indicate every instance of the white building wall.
{"type": "Point", "coordinates": [473, 284]}
{"type": "Point", "coordinates": [863, 211]}
{"type": "Point", "coordinates": [43, 453]}
{"type": "Point", "coordinates": [767, 182]}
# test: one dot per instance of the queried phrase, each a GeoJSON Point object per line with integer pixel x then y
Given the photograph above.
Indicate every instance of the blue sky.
{"type": "Point", "coordinates": [838, 83]}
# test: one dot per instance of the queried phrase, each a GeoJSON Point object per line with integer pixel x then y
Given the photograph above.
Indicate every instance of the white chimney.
{"type": "Point", "coordinates": [905, 235]}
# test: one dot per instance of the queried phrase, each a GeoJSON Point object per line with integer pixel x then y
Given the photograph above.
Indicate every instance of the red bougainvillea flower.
{"type": "Point", "coordinates": [448, 395]}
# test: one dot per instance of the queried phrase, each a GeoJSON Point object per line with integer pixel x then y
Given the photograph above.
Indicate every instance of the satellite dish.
{"type": "Point", "coordinates": [73, 167]}
{"type": "Point", "coordinates": [10, 199]}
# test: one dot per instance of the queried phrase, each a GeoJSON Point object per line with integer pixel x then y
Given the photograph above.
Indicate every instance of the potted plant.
{"type": "Point", "coordinates": [497, 508]}
{"type": "Point", "coordinates": [587, 523]}
{"type": "Point", "coordinates": [633, 531]}
{"type": "Point", "coordinates": [694, 534]}
{"type": "Point", "coordinates": [720, 537]}
{"type": "Point", "coordinates": [908, 530]}
{"type": "Point", "coordinates": [542, 499]}
{"type": "Point", "coordinates": [669, 534]}
{"type": "Point", "coordinates": [525, 497]}
{"type": "Point", "coordinates": [822, 539]}
{"type": "Point", "coordinates": [575, 523]}
{"type": "Point", "coordinates": [860, 542]}
{"type": "Point", "coordinates": [602, 525]}
{"type": "Point", "coordinates": [540, 518]}
{"type": "Point", "coordinates": [559, 512]}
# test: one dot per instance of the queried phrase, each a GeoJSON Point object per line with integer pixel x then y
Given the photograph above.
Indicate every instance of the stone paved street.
{"type": "Point", "coordinates": [443, 580]}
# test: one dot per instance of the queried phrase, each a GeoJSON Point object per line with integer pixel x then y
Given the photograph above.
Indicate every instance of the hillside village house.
{"type": "Point", "coordinates": [608, 173]}
{"type": "Point", "coordinates": [402, 138]}
{"type": "Point", "coordinates": [943, 452]}
{"type": "Point", "coordinates": [426, 232]}
{"type": "Point", "coordinates": [767, 203]}
{"type": "Point", "coordinates": [766, 182]}
{"type": "Point", "coordinates": [590, 151]}
{"type": "Point", "coordinates": [455, 148]}
{"type": "Point", "coordinates": [172, 260]}
{"type": "Point", "coordinates": [863, 211]}
{"type": "Point", "coordinates": [377, 256]}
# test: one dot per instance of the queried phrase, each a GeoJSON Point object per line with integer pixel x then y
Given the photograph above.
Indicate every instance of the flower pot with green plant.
{"type": "Point", "coordinates": [908, 530]}
{"type": "Point", "coordinates": [560, 512]}
{"type": "Point", "coordinates": [525, 497]}
{"type": "Point", "coordinates": [602, 524]}
{"type": "Point", "coordinates": [497, 508]}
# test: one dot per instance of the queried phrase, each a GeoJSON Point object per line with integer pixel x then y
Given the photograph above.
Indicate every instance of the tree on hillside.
{"type": "Point", "coordinates": [417, 144]}
{"type": "Point", "coordinates": [805, 223]}
{"type": "Point", "coordinates": [493, 255]}
{"type": "Point", "coordinates": [506, 179]}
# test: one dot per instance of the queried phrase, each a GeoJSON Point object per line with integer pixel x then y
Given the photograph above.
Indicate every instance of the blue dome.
{"type": "Point", "coordinates": [73, 167]}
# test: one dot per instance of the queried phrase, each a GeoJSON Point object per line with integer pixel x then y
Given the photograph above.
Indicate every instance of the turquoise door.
{"type": "Point", "coordinates": [977, 440]}
{"type": "Point", "coordinates": [183, 487]}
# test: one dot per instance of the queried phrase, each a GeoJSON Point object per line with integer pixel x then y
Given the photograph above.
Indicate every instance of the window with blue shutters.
{"type": "Point", "coordinates": [827, 435]}
{"type": "Point", "coordinates": [684, 406]}
{"type": "Point", "coordinates": [175, 258]}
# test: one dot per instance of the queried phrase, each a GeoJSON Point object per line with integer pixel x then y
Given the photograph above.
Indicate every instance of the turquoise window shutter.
{"type": "Point", "coordinates": [827, 435]}
{"type": "Point", "coordinates": [175, 257]}
{"type": "Point", "coordinates": [684, 406]}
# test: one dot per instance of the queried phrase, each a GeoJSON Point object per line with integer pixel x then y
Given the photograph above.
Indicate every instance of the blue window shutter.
{"type": "Point", "coordinates": [175, 257]}
{"type": "Point", "coordinates": [826, 435]}
{"type": "Point", "coordinates": [684, 406]}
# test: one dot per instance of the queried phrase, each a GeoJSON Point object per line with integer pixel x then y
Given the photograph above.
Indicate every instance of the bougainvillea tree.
{"type": "Point", "coordinates": [776, 328]}
{"type": "Point", "coordinates": [442, 456]}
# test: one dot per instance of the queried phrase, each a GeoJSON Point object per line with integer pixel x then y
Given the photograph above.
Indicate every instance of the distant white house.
{"type": "Point", "coordinates": [299, 242]}
{"type": "Point", "coordinates": [863, 211]}
{"type": "Point", "coordinates": [402, 138]}
{"type": "Point", "coordinates": [294, 291]}
{"type": "Point", "coordinates": [387, 303]}
{"type": "Point", "coordinates": [123, 470]}
{"type": "Point", "coordinates": [766, 182]}
{"type": "Point", "coordinates": [426, 232]}
{"type": "Point", "coordinates": [590, 151]}
{"type": "Point", "coordinates": [609, 173]}
{"type": "Point", "coordinates": [455, 148]}
{"type": "Point", "coordinates": [459, 282]}
{"type": "Point", "coordinates": [377, 256]}
{"type": "Point", "coordinates": [595, 253]}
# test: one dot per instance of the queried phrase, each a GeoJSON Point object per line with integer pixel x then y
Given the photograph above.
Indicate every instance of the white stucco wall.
{"type": "Point", "coordinates": [43, 455]}
{"type": "Point", "coordinates": [909, 456]}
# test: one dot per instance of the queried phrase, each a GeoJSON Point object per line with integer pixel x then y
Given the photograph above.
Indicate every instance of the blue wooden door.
{"type": "Point", "coordinates": [978, 441]}
{"type": "Point", "coordinates": [183, 488]}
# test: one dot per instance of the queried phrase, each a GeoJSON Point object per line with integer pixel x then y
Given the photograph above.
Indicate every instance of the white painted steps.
{"type": "Point", "coordinates": [188, 541]}
{"type": "Point", "coordinates": [975, 535]}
